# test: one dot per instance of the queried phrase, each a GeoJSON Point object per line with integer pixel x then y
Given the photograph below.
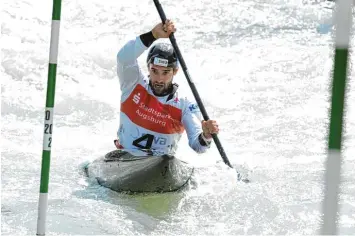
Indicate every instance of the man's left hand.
{"type": "Point", "coordinates": [209, 127]}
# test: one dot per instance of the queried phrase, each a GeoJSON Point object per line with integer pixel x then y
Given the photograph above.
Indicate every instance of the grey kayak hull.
{"type": "Point", "coordinates": [121, 171]}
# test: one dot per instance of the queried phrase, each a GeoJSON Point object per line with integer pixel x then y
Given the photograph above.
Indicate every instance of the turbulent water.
{"type": "Point", "coordinates": [264, 73]}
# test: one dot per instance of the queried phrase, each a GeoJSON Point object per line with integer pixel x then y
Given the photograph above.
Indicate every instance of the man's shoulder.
{"type": "Point", "coordinates": [179, 95]}
{"type": "Point", "coordinates": [186, 101]}
{"type": "Point", "coordinates": [184, 96]}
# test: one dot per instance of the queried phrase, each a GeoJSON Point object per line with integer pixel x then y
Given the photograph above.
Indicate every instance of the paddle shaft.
{"type": "Point", "coordinates": [191, 84]}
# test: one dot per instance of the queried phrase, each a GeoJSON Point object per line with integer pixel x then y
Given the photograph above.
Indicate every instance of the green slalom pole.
{"type": "Point", "coordinates": [343, 23]}
{"type": "Point", "coordinates": [48, 120]}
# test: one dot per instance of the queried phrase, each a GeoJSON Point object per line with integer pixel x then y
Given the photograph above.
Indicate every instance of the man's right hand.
{"type": "Point", "coordinates": [163, 30]}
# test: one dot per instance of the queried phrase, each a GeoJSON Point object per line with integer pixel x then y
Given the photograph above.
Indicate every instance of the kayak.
{"type": "Point", "coordinates": [123, 172]}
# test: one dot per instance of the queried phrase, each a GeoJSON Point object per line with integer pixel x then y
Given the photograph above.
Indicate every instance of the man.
{"type": "Point", "coordinates": [153, 116]}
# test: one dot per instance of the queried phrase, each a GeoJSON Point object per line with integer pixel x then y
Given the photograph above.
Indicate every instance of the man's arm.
{"type": "Point", "coordinates": [192, 123]}
{"type": "Point", "coordinates": [128, 70]}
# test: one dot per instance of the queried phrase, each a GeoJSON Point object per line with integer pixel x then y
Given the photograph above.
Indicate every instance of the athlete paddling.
{"type": "Point", "coordinates": [153, 115]}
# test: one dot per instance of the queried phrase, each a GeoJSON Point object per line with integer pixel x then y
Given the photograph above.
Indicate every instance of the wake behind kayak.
{"type": "Point", "coordinates": [123, 172]}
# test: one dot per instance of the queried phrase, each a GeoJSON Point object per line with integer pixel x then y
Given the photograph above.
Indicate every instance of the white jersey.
{"type": "Point", "coordinates": [149, 124]}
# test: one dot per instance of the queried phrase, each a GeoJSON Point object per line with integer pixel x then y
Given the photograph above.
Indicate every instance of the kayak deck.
{"type": "Point", "coordinates": [121, 171]}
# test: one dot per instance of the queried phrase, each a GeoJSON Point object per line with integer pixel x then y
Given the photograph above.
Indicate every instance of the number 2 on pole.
{"type": "Point", "coordinates": [148, 137]}
{"type": "Point", "coordinates": [48, 128]}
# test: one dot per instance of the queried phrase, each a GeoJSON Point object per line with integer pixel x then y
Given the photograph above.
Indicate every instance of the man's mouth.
{"type": "Point", "coordinates": [159, 86]}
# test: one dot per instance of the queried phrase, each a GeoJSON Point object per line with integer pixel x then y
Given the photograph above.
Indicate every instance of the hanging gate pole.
{"type": "Point", "coordinates": [333, 164]}
{"type": "Point", "coordinates": [48, 120]}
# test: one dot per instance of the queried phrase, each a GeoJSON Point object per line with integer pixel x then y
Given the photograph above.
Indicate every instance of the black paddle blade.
{"type": "Point", "coordinates": [242, 178]}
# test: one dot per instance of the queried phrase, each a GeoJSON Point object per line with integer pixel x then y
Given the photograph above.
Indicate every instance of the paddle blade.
{"type": "Point", "coordinates": [242, 178]}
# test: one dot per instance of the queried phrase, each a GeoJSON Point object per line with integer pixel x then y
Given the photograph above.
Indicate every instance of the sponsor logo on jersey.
{"type": "Point", "coordinates": [145, 110]}
{"type": "Point", "coordinates": [136, 98]}
{"type": "Point", "coordinates": [193, 108]}
{"type": "Point", "coordinates": [158, 140]}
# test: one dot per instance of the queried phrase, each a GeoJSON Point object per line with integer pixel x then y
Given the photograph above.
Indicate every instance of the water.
{"type": "Point", "coordinates": [263, 72]}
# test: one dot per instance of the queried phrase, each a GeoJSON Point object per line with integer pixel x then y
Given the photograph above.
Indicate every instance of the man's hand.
{"type": "Point", "coordinates": [209, 127]}
{"type": "Point", "coordinates": [163, 30]}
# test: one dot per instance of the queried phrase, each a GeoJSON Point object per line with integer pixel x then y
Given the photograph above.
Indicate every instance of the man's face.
{"type": "Point", "coordinates": [161, 78]}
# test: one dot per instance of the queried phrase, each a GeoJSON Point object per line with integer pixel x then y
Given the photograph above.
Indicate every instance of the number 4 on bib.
{"type": "Point", "coordinates": [148, 144]}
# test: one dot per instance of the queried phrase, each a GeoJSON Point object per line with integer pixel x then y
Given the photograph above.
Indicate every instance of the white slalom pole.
{"type": "Point", "coordinates": [48, 120]}
{"type": "Point", "coordinates": [343, 22]}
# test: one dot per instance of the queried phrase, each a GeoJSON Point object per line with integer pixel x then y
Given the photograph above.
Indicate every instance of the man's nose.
{"type": "Point", "coordinates": [160, 78]}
